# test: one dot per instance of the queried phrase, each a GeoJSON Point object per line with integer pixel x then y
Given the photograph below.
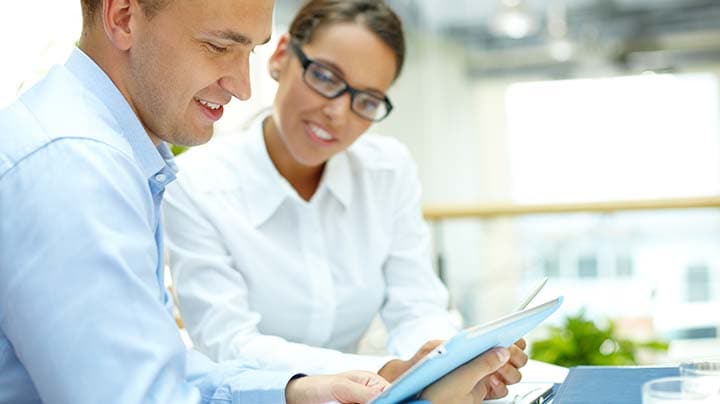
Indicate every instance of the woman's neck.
{"type": "Point", "coordinates": [304, 179]}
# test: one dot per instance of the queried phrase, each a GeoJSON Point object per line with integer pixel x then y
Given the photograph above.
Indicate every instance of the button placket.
{"type": "Point", "coordinates": [323, 292]}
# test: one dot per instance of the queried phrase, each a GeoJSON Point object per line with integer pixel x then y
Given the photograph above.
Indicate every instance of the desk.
{"type": "Point", "coordinates": [536, 372]}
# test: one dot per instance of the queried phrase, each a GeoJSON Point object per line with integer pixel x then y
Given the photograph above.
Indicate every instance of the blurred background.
{"type": "Point", "coordinates": [572, 139]}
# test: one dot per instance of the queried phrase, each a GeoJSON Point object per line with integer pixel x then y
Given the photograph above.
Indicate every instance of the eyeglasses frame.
{"type": "Point", "coordinates": [305, 62]}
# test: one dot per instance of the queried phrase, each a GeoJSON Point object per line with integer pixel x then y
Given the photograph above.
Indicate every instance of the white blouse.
{"type": "Point", "coordinates": [261, 273]}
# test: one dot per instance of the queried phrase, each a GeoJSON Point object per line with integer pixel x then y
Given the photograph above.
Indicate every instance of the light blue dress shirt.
{"type": "Point", "coordinates": [83, 311]}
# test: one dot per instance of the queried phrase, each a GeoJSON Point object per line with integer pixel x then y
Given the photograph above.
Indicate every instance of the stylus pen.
{"type": "Point", "coordinates": [532, 294]}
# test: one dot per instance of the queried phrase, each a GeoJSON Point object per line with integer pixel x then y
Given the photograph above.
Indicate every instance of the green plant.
{"type": "Point", "coordinates": [579, 341]}
{"type": "Point", "coordinates": [177, 150]}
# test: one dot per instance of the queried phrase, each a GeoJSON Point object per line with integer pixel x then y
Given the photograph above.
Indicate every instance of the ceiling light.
{"type": "Point", "coordinates": [513, 20]}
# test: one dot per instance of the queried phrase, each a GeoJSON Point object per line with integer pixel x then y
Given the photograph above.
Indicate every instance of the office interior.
{"type": "Point", "coordinates": [577, 140]}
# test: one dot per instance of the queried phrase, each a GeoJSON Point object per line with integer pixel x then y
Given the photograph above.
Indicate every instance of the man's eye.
{"type": "Point", "coordinates": [216, 49]}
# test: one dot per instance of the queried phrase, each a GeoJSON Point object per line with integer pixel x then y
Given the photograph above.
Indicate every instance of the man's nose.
{"type": "Point", "coordinates": [237, 80]}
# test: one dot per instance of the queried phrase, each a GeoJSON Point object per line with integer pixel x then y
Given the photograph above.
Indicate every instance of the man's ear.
{"type": "Point", "coordinates": [116, 18]}
{"type": "Point", "coordinates": [278, 58]}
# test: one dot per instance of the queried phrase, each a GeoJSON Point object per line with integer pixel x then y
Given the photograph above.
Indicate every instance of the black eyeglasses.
{"type": "Point", "coordinates": [326, 82]}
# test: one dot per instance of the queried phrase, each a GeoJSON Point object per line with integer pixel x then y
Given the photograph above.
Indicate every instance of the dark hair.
{"type": "Point", "coordinates": [375, 15]}
{"type": "Point", "coordinates": [90, 8]}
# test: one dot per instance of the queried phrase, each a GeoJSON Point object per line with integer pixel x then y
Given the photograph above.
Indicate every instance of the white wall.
{"type": "Point", "coordinates": [457, 130]}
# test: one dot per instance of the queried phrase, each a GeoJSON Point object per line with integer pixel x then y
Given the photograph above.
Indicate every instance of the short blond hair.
{"type": "Point", "coordinates": [90, 9]}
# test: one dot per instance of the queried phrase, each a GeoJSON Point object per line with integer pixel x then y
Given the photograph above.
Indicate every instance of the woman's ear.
{"type": "Point", "coordinates": [278, 60]}
{"type": "Point", "coordinates": [117, 19]}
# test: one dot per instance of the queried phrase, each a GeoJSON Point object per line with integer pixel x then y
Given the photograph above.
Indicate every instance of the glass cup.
{"type": "Point", "coordinates": [701, 367]}
{"type": "Point", "coordinates": [681, 390]}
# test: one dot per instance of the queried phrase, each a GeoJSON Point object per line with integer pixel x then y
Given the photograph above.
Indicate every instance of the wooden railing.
{"type": "Point", "coordinates": [437, 214]}
{"type": "Point", "coordinates": [492, 210]}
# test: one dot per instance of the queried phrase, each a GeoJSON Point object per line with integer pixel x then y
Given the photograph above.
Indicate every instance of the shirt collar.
{"type": "Point", "coordinates": [167, 173]}
{"type": "Point", "coordinates": [338, 178]}
{"type": "Point", "coordinates": [268, 189]}
{"type": "Point", "coordinates": [148, 156]}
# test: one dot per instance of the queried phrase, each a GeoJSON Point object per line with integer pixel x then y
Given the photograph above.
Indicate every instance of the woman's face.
{"type": "Point", "coordinates": [311, 127]}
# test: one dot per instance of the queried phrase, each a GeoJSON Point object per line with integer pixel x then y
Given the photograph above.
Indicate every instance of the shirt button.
{"type": "Point", "coordinates": [160, 178]}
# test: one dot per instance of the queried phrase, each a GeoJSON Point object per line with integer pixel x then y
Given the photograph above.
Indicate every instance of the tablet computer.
{"type": "Point", "coordinates": [462, 348]}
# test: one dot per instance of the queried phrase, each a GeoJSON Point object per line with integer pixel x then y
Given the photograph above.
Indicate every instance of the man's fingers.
{"type": "Point", "coordinates": [359, 387]}
{"type": "Point", "coordinates": [369, 379]}
{"type": "Point", "coordinates": [521, 343]}
{"type": "Point", "coordinates": [351, 392]}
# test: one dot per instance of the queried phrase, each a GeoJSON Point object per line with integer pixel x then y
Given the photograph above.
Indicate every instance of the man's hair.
{"type": "Point", "coordinates": [91, 8]}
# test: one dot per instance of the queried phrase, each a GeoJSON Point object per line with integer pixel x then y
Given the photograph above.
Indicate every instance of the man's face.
{"type": "Point", "coordinates": [189, 60]}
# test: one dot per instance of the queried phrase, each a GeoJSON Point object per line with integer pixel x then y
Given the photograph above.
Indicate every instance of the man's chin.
{"type": "Point", "coordinates": [197, 138]}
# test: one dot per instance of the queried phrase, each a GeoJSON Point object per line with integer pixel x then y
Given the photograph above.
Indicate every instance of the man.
{"type": "Point", "coordinates": [83, 167]}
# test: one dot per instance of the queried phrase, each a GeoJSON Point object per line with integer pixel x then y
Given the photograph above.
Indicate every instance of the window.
{"type": "Point", "coordinates": [587, 267]}
{"type": "Point", "coordinates": [624, 266]}
{"type": "Point", "coordinates": [698, 283]}
{"type": "Point", "coordinates": [551, 267]}
{"type": "Point", "coordinates": [598, 139]}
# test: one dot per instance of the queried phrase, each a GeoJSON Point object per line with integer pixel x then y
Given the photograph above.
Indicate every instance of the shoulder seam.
{"type": "Point", "coordinates": [17, 163]}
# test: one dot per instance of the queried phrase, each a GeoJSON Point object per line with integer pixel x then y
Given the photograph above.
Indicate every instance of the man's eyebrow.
{"type": "Point", "coordinates": [237, 37]}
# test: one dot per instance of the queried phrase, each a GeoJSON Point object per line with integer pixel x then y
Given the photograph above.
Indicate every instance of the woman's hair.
{"type": "Point", "coordinates": [375, 15]}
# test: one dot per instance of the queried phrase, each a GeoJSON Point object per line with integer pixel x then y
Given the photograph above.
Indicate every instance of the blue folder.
{"type": "Point", "coordinates": [608, 384]}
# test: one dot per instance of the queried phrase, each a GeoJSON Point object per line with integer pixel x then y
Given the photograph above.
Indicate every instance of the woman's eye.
{"type": "Point", "coordinates": [324, 75]}
{"type": "Point", "coordinates": [370, 104]}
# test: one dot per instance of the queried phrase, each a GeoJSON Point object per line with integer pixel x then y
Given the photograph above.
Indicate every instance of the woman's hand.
{"type": "Point", "coordinates": [391, 370]}
{"type": "Point", "coordinates": [495, 384]}
{"type": "Point", "coordinates": [468, 383]}
{"type": "Point", "coordinates": [509, 373]}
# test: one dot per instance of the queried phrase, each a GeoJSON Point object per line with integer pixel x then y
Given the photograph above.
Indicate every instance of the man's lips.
{"type": "Point", "coordinates": [212, 110]}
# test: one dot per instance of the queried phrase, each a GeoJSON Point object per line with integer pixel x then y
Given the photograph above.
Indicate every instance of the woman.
{"type": "Point", "coordinates": [286, 242]}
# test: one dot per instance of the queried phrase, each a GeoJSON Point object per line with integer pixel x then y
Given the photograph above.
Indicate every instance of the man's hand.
{"type": "Point", "coordinates": [348, 387]}
{"type": "Point", "coordinates": [467, 383]}
{"type": "Point", "coordinates": [393, 369]}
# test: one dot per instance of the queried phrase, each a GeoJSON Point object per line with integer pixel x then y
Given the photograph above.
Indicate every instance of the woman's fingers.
{"type": "Point", "coordinates": [466, 384]}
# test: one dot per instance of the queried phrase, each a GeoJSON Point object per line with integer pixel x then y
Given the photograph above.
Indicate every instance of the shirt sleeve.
{"type": "Point", "coordinates": [213, 298]}
{"type": "Point", "coordinates": [416, 306]}
{"type": "Point", "coordinates": [235, 381]}
{"type": "Point", "coordinates": [80, 300]}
